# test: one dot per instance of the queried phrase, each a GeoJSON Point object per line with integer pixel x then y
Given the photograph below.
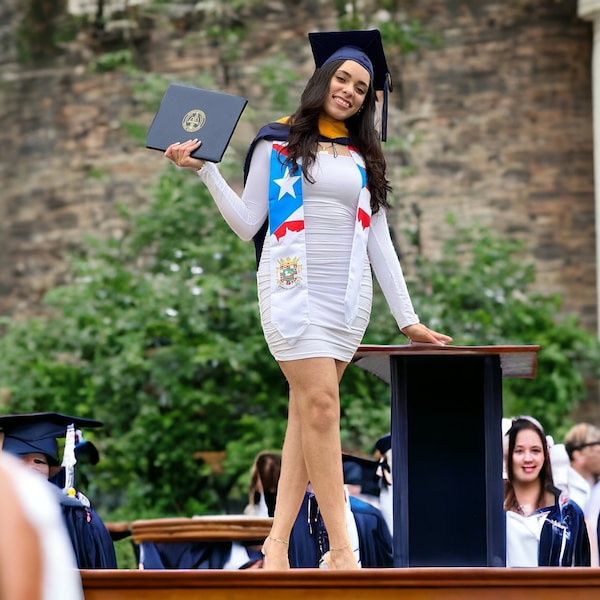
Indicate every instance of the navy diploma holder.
{"type": "Point", "coordinates": [187, 112]}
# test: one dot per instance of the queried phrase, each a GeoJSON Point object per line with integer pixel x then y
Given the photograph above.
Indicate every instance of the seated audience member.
{"type": "Point", "coordinates": [374, 536]}
{"type": "Point", "coordinates": [582, 444]}
{"type": "Point", "coordinates": [34, 439]}
{"type": "Point", "coordinates": [383, 454]}
{"type": "Point", "coordinates": [543, 527]}
{"type": "Point", "coordinates": [264, 480]}
{"type": "Point", "coordinates": [36, 557]}
{"type": "Point", "coordinates": [309, 542]}
{"type": "Point", "coordinates": [367, 527]}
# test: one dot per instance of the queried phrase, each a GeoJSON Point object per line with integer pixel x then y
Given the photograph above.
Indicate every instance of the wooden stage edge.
{"type": "Point", "coordinates": [541, 583]}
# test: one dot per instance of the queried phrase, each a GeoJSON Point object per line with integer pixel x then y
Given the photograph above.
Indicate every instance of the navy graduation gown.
{"type": "Point", "coordinates": [375, 539]}
{"type": "Point", "coordinates": [191, 555]}
{"type": "Point", "coordinates": [184, 555]}
{"type": "Point", "coordinates": [564, 540]}
{"type": "Point", "coordinates": [309, 541]}
{"type": "Point", "coordinates": [92, 543]}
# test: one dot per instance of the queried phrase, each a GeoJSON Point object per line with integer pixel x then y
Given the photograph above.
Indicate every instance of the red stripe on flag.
{"type": "Point", "coordinates": [288, 226]}
{"type": "Point", "coordinates": [364, 218]}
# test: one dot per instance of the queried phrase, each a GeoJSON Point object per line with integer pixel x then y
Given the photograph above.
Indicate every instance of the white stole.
{"type": "Point", "coordinates": [289, 273]}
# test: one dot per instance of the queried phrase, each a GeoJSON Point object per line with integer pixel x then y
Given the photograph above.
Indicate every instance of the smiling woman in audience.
{"type": "Point", "coordinates": [543, 527]}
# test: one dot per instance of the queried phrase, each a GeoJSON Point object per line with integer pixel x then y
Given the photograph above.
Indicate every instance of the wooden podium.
{"type": "Point", "coordinates": [446, 416]}
{"type": "Point", "coordinates": [206, 528]}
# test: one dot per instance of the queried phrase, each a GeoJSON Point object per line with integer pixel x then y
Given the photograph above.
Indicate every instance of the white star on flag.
{"type": "Point", "coordinates": [286, 184]}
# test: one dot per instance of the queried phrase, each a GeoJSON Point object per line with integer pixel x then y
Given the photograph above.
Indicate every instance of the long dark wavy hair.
{"type": "Point", "coordinates": [266, 468]}
{"type": "Point", "coordinates": [304, 133]}
{"type": "Point", "coordinates": [546, 481]}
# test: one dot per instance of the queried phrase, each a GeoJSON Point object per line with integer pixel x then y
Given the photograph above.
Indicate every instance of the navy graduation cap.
{"type": "Point", "coordinates": [38, 432]}
{"type": "Point", "coordinates": [361, 471]}
{"type": "Point", "coordinates": [384, 443]}
{"type": "Point", "coordinates": [362, 46]}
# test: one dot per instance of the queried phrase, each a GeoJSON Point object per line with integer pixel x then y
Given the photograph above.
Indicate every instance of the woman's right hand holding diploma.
{"type": "Point", "coordinates": [179, 154]}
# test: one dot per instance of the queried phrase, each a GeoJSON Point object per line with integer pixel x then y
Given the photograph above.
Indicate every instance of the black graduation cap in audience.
{"type": "Point", "coordinates": [362, 46]}
{"type": "Point", "coordinates": [39, 432]}
{"type": "Point", "coordinates": [384, 443]}
{"type": "Point", "coordinates": [361, 471]}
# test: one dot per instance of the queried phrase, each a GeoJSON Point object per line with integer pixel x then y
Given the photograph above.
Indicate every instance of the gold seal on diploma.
{"type": "Point", "coordinates": [193, 120]}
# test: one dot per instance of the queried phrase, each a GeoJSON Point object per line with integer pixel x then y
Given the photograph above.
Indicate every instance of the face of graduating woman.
{"type": "Point", "coordinates": [347, 91]}
{"type": "Point", "coordinates": [528, 456]}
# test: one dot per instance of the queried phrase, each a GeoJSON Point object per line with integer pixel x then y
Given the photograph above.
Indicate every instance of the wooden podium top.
{"type": "Point", "coordinates": [515, 361]}
{"type": "Point", "coordinates": [212, 528]}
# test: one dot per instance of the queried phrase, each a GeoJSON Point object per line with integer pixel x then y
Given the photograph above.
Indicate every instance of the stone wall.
{"type": "Point", "coordinates": [502, 115]}
{"type": "Point", "coordinates": [499, 113]}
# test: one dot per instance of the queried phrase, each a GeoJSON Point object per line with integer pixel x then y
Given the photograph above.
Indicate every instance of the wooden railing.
{"type": "Point", "coordinates": [204, 528]}
{"type": "Point", "coordinates": [366, 584]}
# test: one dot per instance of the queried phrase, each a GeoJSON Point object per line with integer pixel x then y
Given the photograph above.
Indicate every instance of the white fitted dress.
{"type": "Point", "coordinates": [330, 206]}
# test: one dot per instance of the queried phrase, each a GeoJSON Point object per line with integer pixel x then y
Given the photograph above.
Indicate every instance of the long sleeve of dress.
{"type": "Point", "coordinates": [247, 213]}
{"type": "Point", "coordinates": [388, 271]}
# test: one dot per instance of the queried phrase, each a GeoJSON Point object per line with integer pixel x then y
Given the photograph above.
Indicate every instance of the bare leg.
{"type": "Point", "coordinates": [314, 384]}
{"type": "Point", "coordinates": [290, 492]}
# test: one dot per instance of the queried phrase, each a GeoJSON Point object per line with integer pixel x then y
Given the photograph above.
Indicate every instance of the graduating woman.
{"type": "Point", "coordinates": [315, 200]}
{"type": "Point", "coordinates": [543, 527]}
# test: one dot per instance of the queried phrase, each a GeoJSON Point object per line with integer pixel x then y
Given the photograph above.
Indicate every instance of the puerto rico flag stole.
{"type": "Point", "coordinates": [289, 274]}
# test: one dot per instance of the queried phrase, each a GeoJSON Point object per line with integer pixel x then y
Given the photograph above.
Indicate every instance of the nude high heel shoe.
{"type": "Point", "coordinates": [325, 562]}
{"type": "Point", "coordinates": [265, 552]}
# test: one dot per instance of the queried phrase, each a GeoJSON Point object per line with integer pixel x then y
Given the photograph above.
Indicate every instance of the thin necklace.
{"type": "Point", "coordinates": [326, 150]}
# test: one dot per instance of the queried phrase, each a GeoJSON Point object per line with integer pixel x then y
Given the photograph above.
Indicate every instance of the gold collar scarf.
{"type": "Point", "coordinates": [328, 129]}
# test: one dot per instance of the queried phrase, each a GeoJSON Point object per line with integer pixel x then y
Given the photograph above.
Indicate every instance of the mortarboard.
{"type": "Point", "coordinates": [353, 473]}
{"type": "Point", "coordinates": [85, 451]}
{"type": "Point", "coordinates": [362, 471]}
{"type": "Point", "coordinates": [38, 432]}
{"type": "Point", "coordinates": [384, 443]}
{"type": "Point", "coordinates": [362, 46]}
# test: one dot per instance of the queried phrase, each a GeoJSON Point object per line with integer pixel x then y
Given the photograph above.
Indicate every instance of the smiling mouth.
{"type": "Point", "coordinates": [341, 102]}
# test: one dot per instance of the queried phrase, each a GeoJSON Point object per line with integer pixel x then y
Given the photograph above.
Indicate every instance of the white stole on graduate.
{"type": "Point", "coordinates": [289, 273]}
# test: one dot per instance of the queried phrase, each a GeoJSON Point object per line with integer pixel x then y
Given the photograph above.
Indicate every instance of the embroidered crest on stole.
{"type": "Point", "coordinates": [288, 272]}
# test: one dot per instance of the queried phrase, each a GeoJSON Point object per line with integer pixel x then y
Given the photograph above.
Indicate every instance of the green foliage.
{"type": "Point", "coordinates": [136, 132]}
{"type": "Point", "coordinates": [408, 35]}
{"type": "Point", "coordinates": [228, 39]}
{"type": "Point", "coordinates": [397, 29]}
{"type": "Point", "coordinates": [158, 335]}
{"type": "Point", "coordinates": [111, 61]}
{"type": "Point", "coordinates": [480, 292]}
{"type": "Point", "coordinates": [276, 76]}
{"type": "Point", "coordinates": [149, 90]}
